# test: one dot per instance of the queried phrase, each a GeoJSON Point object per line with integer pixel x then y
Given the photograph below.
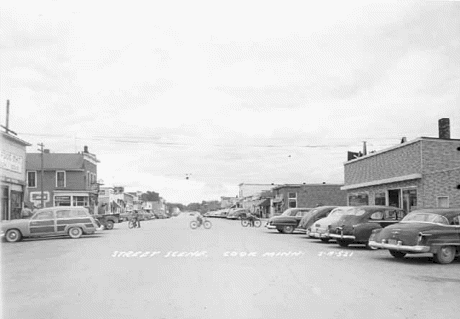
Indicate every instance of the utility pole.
{"type": "Point", "coordinates": [42, 174]}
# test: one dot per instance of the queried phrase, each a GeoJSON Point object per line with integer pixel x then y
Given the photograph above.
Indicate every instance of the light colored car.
{"type": "Point", "coordinates": [52, 221]}
{"type": "Point", "coordinates": [320, 229]}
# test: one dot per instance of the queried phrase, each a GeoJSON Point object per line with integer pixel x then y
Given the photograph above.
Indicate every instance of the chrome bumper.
{"type": "Point", "coordinates": [341, 236]}
{"type": "Point", "coordinates": [318, 235]}
{"type": "Point", "coordinates": [414, 249]}
{"type": "Point", "coordinates": [270, 226]}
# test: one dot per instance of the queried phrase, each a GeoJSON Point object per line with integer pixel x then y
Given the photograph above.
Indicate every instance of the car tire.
{"type": "Point", "coordinates": [75, 232]}
{"type": "Point", "coordinates": [288, 229]}
{"type": "Point", "coordinates": [109, 225]}
{"type": "Point", "coordinates": [343, 243]}
{"type": "Point", "coordinates": [445, 255]}
{"type": "Point", "coordinates": [397, 254]}
{"type": "Point", "coordinates": [325, 240]}
{"type": "Point", "coordinates": [13, 236]}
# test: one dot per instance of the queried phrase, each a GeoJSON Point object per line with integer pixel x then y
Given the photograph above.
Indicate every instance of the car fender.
{"type": "Point", "coordinates": [363, 231]}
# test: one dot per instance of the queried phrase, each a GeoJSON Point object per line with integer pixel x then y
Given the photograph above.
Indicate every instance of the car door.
{"type": "Point", "coordinates": [62, 220]}
{"type": "Point", "coordinates": [42, 223]}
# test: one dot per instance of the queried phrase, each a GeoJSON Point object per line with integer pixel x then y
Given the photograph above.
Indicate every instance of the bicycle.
{"type": "Point", "coordinates": [194, 224]}
{"type": "Point", "coordinates": [245, 222]}
{"type": "Point", "coordinates": [133, 224]}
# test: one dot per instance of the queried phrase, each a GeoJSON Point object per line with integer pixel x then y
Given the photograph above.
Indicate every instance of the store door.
{"type": "Point", "coordinates": [394, 197]}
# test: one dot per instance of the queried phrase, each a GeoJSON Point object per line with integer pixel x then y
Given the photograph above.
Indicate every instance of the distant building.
{"type": "Point", "coordinates": [227, 202]}
{"type": "Point", "coordinates": [307, 195]}
{"type": "Point", "coordinates": [424, 172]}
{"type": "Point", "coordinates": [13, 175]}
{"type": "Point", "coordinates": [247, 190]}
{"type": "Point", "coordinates": [69, 179]}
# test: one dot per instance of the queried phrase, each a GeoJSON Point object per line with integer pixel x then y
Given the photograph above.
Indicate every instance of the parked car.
{"type": "Point", "coordinates": [288, 221]}
{"type": "Point", "coordinates": [312, 216]}
{"type": "Point", "coordinates": [435, 231]}
{"type": "Point", "coordinates": [356, 227]}
{"type": "Point", "coordinates": [320, 229]}
{"type": "Point", "coordinates": [108, 220]}
{"type": "Point", "coordinates": [51, 221]}
{"type": "Point", "coordinates": [238, 213]}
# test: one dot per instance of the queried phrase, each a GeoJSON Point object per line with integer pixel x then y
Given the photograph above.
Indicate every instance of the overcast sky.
{"type": "Point", "coordinates": [229, 92]}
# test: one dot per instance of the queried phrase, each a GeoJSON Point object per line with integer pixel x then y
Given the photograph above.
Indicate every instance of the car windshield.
{"type": "Point", "coordinates": [425, 218]}
{"type": "Point", "coordinates": [341, 211]}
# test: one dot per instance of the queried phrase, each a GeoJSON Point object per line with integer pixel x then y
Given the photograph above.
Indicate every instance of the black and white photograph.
{"type": "Point", "coordinates": [229, 159]}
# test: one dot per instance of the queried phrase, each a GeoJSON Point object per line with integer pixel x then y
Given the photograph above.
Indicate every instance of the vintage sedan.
{"type": "Point", "coordinates": [435, 231]}
{"type": "Point", "coordinates": [357, 226]}
{"type": "Point", "coordinates": [312, 216]}
{"type": "Point", "coordinates": [238, 213]}
{"type": "Point", "coordinates": [288, 221]}
{"type": "Point", "coordinates": [52, 221]}
{"type": "Point", "coordinates": [320, 229]}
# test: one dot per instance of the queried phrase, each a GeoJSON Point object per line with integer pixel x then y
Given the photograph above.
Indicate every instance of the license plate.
{"type": "Point", "coordinates": [392, 241]}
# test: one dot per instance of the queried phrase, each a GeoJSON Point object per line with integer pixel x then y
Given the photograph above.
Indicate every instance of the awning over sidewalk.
{"type": "Point", "coordinates": [263, 202]}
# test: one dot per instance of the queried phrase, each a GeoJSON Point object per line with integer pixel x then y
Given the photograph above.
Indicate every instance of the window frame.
{"type": "Point", "coordinates": [35, 179]}
{"type": "Point", "coordinates": [65, 179]}
{"type": "Point", "coordinates": [437, 201]}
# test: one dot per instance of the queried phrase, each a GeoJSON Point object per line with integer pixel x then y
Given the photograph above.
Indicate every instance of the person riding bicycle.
{"type": "Point", "coordinates": [136, 219]}
{"type": "Point", "coordinates": [250, 217]}
{"type": "Point", "coordinates": [199, 219]}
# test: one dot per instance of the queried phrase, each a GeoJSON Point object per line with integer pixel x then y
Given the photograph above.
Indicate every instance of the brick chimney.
{"type": "Point", "coordinates": [85, 149]}
{"type": "Point", "coordinates": [444, 128]}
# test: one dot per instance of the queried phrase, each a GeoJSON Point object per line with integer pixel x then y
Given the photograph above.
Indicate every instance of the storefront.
{"type": "Point", "coordinates": [13, 175]}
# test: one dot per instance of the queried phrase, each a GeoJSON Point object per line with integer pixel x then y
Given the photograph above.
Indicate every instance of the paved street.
{"type": "Point", "coordinates": [167, 270]}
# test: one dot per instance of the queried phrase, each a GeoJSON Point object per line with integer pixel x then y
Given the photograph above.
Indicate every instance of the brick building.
{"type": "Point", "coordinates": [307, 195]}
{"type": "Point", "coordinates": [68, 179]}
{"type": "Point", "coordinates": [424, 172]}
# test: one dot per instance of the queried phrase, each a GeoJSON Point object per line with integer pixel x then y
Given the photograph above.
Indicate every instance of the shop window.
{"type": "Point", "coordinates": [60, 179]}
{"type": "Point", "coordinates": [5, 201]}
{"type": "Point", "coordinates": [380, 199]}
{"type": "Point", "coordinates": [409, 199]}
{"type": "Point", "coordinates": [32, 179]}
{"type": "Point", "coordinates": [62, 201]}
{"type": "Point", "coordinates": [358, 199]}
{"type": "Point", "coordinates": [292, 200]}
{"type": "Point", "coordinates": [443, 201]}
{"type": "Point", "coordinates": [80, 201]}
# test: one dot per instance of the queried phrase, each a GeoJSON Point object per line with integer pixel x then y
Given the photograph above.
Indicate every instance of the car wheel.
{"type": "Point", "coordinates": [109, 225]}
{"type": "Point", "coordinates": [325, 240]}
{"type": "Point", "coordinates": [288, 229]}
{"type": "Point", "coordinates": [445, 255]}
{"type": "Point", "coordinates": [343, 243]}
{"type": "Point", "coordinates": [397, 254]}
{"type": "Point", "coordinates": [13, 236]}
{"type": "Point", "coordinates": [75, 232]}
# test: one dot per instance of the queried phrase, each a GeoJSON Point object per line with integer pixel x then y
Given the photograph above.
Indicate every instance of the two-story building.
{"type": "Point", "coordinates": [13, 175]}
{"type": "Point", "coordinates": [307, 195]}
{"type": "Point", "coordinates": [68, 179]}
{"type": "Point", "coordinates": [424, 172]}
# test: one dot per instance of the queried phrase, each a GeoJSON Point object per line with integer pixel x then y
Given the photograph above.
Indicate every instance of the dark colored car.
{"type": "Point", "coordinates": [312, 216]}
{"type": "Point", "coordinates": [288, 221]}
{"type": "Point", "coordinates": [357, 227]}
{"type": "Point", "coordinates": [238, 213]}
{"type": "Point", "coordinates": [435, 231]}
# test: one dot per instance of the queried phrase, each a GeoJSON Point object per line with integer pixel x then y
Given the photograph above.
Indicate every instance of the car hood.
{"type": "Point", "coordinates": [14, 222]}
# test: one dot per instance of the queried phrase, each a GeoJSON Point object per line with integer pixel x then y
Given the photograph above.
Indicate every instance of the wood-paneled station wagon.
{"type": "Point", "coordinates": [52, 221]}
{"type": "Point", "coordinates": [435, 231]}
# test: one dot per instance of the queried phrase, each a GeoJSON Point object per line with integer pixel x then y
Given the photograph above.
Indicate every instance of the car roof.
{"type": "Point", "coordinates": [376, 207]}
{"type": "Point", "coordinates": [439, 211]}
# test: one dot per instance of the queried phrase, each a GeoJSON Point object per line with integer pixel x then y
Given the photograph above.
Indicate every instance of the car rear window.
{"type": "Point", "coordinates": [426, 218]}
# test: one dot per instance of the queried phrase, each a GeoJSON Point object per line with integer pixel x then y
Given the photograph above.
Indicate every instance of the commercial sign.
{"type": "Point", "coordinates": [11, 161]}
